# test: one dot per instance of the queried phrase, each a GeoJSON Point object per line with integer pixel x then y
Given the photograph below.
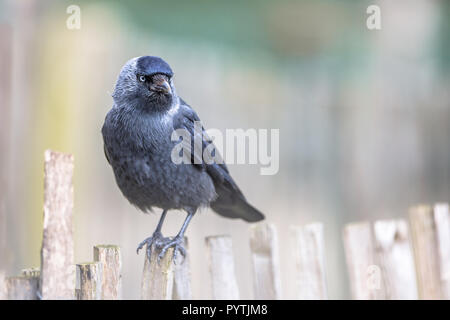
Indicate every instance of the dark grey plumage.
{"type": "Point", "coordinates": [137, 140]}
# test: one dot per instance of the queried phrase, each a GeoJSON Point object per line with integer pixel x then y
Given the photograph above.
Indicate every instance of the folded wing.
{"type": "Point", "coordinates": [230, 201]}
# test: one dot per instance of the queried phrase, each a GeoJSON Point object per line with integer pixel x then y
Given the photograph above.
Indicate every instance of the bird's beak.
{"type": "Point", "coordinates": [162, 86]}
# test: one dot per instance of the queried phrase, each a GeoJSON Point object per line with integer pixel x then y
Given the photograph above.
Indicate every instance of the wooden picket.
{"type": "Point", "coordinates": [386, 259]}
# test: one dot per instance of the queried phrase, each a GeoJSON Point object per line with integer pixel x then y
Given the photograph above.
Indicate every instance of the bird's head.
{"type": "Point", "coordinates": [145, 82]}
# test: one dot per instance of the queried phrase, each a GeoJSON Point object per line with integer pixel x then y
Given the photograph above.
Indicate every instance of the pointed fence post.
{"type": "Point", "coordinates": [442, 221]}
{"type": "Point", "coordinates": [157, 277]}
{"type": "Point", "coordinates": [396, 259]}
{"type": "Point", "coordinates": [363, 270]}
{"type": "Point", "coordinates": [89, 281]}
{"type": "Point", "coordinates": [57, 268]}
{"type": "Point", "coordinates": [309, 256]}
{"type": "Point", "coordinates": [265, 261]}
{"type": "Point", "coordinates": [3, 291]}
{"type": "Point", "coordinates": [22, 287]}
{"type": "Point", "coordinates": [426, 253]}
{"type": "Point", "coordinates": [111, 264]}
{"type": "Point", "coordinates": [182, 277]}
{"type": "Point", "coordinates": [221, 267]}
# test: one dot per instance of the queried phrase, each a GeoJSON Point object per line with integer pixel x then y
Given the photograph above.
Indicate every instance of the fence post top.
{"type": "Point", "coordinates": [107, 246]}
{"type": "Point", "coordinates": [222, 236]}
{"type": "Point", "coordinates": [51, 155]}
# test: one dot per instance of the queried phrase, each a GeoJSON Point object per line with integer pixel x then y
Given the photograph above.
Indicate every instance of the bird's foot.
{"type": "Point", "coordinates": [178, 245]}
{"type": "Point", "coordinates": [156, 239]}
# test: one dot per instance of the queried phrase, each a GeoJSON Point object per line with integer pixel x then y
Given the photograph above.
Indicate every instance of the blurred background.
{"type": "Point", "coordinates": [364, 117]}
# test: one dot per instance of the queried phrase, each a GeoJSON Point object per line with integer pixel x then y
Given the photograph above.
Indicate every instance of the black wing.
{"type": "Point", "coordinates": [230, 201]}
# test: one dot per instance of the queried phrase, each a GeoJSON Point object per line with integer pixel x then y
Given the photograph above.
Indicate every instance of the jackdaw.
{"type": "Point", "coordinates": [138, 146]}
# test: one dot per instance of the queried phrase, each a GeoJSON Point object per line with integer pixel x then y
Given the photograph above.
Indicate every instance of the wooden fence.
{"type": "Point", "coordinates": [387, 259]}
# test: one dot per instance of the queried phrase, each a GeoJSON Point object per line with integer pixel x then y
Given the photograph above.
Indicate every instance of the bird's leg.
{"type": "Point", "coordinates": [178, 241]}
{"type": "Point", "coordinates": [155, 238]}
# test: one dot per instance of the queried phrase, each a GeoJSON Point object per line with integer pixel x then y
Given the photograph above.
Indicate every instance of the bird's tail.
{"type": "Point", "coordinates": [239, 208]}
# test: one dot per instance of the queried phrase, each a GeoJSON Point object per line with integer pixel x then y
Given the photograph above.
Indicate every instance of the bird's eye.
{"type": "Point", "coordinates": [142, 78]}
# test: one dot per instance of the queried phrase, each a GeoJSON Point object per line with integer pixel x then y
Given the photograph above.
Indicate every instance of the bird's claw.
{"type": "Point", "coordinates": [178, 245]}
{"type": "Point", "coordinates": [149, 242]}
{"type": "Point", "coordinates": [163, 244]}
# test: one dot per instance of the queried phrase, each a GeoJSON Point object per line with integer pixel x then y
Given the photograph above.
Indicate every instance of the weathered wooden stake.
{"type": "Point", "coordinates": [3, 291]}
{"type": "Point", "coordinates": [22, 287]}
{"type": "Point", "coordinates": [57, 269]}
{"type": "Point", "coordinates": [364, 273]}
{"type": "Point", "coordinates": [310, 261]}
{"type": "Point", "coordinates": [266, 269]}
{"type": "Point", "coordinates": [157, 277]}
{"type": "Point", "coordinates": [182, 277]}
{"type": "Point", "coordinates": [426, 252]}
{"type": "Point", "coordinates": [396, 259]}
{"type": "Point", "coordinates": [89, 281]}
{"type": "Point", "coordinates": [221, 267]}
{"type": "Point", "coordinates": [442, 221]}
{"type": "Point", "coordinates": [111, 261]}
